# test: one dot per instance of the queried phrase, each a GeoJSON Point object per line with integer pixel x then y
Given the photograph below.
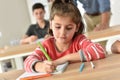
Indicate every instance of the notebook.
{"type": "Point", "coordinates": [59, 69]}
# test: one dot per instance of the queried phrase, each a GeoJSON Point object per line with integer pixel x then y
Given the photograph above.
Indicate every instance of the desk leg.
{"type": "Point", "coordinates": [1, 67]}
{"type": "Point", "coordinates": [19, 63]}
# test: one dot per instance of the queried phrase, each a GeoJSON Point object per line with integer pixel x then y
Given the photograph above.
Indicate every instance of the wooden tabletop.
{"type": "Point", "coordinates": [17, 50]}
{"type": "Point", "coordinates": [11, 75]}
{"type": "Point", "coordinates": [104, 34]}
{"type": "Point", "coordinates": [105, 69]}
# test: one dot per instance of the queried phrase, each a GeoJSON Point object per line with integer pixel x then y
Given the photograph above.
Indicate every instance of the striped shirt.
{"type": "Point", "coordinates": [91, 51]}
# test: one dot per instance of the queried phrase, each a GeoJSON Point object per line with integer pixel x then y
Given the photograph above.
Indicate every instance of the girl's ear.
{"type": "Point", "coordinates": [77, 27]}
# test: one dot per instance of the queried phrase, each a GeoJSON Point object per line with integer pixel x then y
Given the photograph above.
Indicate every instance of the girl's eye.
{"type": "Point", "coordinates": [58, 27]}
{"type": "Point", "coordinates": [68, 28]}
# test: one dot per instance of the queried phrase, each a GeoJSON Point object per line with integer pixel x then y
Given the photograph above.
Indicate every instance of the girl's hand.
{"type": "Point", "coordinates": [46, 66]}
{"type": "Point", "coordinates": [49, 66]}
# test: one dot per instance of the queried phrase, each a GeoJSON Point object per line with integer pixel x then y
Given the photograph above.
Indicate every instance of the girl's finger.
{"type": "Point", "coordinates": [48, 62]}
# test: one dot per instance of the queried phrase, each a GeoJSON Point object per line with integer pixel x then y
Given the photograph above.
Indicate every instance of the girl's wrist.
{"type": "Point", "coordinates": [37, 67]}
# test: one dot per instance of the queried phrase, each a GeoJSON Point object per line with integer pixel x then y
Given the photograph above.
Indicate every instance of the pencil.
{"type": "Point", "coordinates": [44, 52]}
{"type": "Point", "coordinates": [35, 77]}
{"type": "Point", "coordinates": [81, 67]}
{"type": "Point", "coordinates": [93, 66]}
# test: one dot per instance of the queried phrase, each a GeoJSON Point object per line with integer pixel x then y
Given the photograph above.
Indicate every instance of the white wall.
{"type": "Point", "coordinates": [115, 9]}
{"type": "Point", "coordinates": [14, 20]}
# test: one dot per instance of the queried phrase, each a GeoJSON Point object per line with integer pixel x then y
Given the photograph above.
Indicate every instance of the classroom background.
{"type": "Point", "coordinates": [16, 16]}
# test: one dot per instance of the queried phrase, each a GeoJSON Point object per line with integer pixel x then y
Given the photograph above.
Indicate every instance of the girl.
{"type": "Point", "coordinates": [67, 40]}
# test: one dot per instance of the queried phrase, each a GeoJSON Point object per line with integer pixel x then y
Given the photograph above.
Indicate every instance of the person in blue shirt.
{"type": "Point", "coordinates": [97, 14]}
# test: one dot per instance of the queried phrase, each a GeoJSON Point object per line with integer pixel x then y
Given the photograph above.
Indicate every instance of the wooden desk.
{"type": "Point", "coordinates": [105, 69]}
{"type": "Point", "coordinates": [16, 52]}
{"type": "Point", "coordinates": [11, 75]}
{"type": "Point", "coordinates": [104, 34]}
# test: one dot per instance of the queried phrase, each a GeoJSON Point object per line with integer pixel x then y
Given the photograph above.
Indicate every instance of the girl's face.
{"type": "Point", "coordinates": [39, 14]}
{"type": "Point", "coordinates": [63, 29]}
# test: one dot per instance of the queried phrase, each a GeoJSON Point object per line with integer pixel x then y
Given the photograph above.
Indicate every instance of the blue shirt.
{"type": "Point", "coordinates": [95, 6]}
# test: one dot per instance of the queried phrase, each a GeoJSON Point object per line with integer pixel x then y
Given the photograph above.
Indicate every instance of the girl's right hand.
{"type": "Point", "coordinates": [45, 66]}
{"type": "Point", "coordinates": [49, 66]}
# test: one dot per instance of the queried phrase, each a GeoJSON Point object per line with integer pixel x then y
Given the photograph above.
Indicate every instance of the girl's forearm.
{"type": "Point", "coordinates": [74, 57]}
{"type": "Point", "coordinates": [68, 58]}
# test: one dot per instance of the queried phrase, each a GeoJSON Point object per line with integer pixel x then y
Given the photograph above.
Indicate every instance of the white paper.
{"type": "Point", "coordinates": [59, 69]}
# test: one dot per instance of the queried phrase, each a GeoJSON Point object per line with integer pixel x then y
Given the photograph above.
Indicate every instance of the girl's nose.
{"type": "Point", "coordinates": [63, 32]}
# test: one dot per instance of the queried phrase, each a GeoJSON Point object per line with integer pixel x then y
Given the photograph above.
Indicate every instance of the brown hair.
{"type": "Point", "coordinates": [37, 6]}
{"type": "Point", "coordinates": [66, 8]}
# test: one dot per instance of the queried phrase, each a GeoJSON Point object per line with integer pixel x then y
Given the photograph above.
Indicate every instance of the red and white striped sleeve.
{"type": "Point", "coordinates": [91, 51]}
{"type": "Point", "coordinates": [36, 56]}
